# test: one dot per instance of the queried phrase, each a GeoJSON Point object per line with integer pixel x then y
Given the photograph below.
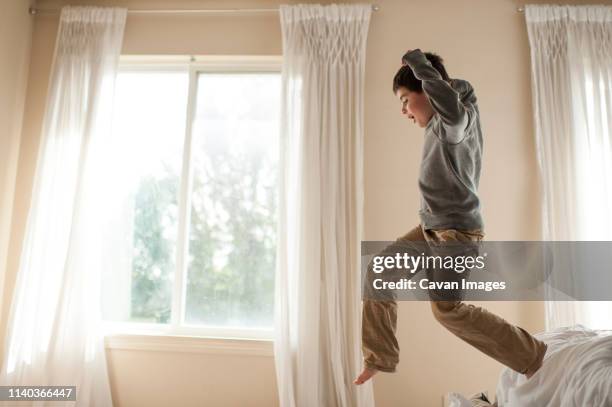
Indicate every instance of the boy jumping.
{"type": "Point", "coordinates": [450, 211]}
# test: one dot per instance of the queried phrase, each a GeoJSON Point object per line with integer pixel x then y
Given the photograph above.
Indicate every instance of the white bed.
{"type": "Point", "coordinates": [577, 372]}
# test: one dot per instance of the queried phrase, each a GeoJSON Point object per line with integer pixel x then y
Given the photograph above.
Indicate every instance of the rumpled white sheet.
{"type": "Point", "coordinates": [577, 372]}
{"type": "Point", "coordinates": [457, 400]}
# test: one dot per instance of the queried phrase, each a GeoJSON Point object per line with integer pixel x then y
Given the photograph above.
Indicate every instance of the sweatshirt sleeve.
{"type": "Point", "coordinates": [444, 99]}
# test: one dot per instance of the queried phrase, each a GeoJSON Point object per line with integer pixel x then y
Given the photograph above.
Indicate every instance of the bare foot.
{"type": "Point", "coordinates": [365, 375]}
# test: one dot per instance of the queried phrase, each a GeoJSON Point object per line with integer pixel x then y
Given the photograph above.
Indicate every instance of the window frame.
{"type": "Point", "coordinates": [193, 65]}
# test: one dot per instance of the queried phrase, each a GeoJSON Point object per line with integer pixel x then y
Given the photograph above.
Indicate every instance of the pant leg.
{"type": "Point", "coordinates": [379, 320]}
{"type": "Point", "coordinates": [508, 344]}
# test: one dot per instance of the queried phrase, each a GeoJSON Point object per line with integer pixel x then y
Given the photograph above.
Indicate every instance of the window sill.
{"type": "Point", "coordinates": [190, 344]}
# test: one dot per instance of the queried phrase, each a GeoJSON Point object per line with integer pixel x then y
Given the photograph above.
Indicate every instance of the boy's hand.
{"type": "Point", "coordinates": [365, 375]}
{"type": "Point", "coordinates": [404, 62]}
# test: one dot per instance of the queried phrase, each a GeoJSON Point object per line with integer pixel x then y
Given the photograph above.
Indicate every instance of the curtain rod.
{"type": "Point", "coordinates": [34, 10]}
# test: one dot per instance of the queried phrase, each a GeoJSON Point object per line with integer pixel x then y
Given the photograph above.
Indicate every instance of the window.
{"type": "Point", "coordinates": [194, 229]}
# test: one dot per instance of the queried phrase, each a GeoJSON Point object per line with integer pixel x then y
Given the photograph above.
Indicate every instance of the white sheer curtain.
{"type": "Point", "coordinates": [571, 67]}
{"type": "Point", "coordinates": [318, 298]}
{"type": "Point", "coordinates": [53, 333]}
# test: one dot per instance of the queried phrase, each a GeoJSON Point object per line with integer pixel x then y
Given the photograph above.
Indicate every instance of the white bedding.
{"type": "Point", "coordinates": [577, 372]}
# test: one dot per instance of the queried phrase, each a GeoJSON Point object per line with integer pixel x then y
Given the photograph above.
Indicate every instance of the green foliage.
{"type": "Point", "coordinates": [155, 223]}
{"type": "Point", "coordinates": [237, 289]}
{"type": "Point", "coordinates": [232, 243]}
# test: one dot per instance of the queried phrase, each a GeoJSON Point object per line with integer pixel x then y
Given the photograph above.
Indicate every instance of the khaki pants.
{"type": "Point", "coordinates": [492, 335]}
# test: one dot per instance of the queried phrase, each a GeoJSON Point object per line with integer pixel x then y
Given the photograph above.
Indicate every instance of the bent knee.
{"type": "Point", "coordinates": [442, 309]}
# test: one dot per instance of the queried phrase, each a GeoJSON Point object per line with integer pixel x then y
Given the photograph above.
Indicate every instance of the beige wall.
{"type": "Point", "coordinates": [15, 35]}
{"type": "Point", "coordinates": [483, 41]}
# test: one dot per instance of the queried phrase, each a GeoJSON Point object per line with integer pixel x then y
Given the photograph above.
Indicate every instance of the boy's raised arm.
{"type": "Point", "coordinates": [444, 99]}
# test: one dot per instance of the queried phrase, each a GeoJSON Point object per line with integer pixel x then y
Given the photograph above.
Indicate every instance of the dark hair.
{"type": "Point", "coordinates": [405, 78]}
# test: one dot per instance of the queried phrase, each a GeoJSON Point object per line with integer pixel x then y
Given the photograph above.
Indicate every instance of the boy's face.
{"type": "Point", "coordinates": [415, 106]}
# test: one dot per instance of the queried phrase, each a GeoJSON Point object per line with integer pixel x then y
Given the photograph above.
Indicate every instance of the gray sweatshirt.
{"type": "Point", "coordinates": [450, 167]}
